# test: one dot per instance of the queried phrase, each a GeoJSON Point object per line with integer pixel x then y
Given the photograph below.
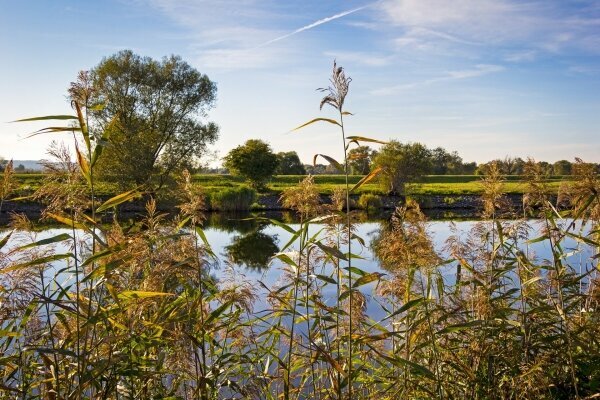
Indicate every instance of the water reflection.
{"type": "Point", "coordinates": [243, 223]}
{"type": "Point", "coordinates": [252, 250]}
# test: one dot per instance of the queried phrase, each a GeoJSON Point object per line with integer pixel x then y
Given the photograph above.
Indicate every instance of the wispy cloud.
{"type": "Point", "coordinates": [424, 33]}
{"type": "Point", "coordinates": [239, 34]}
{"type": "Point", "coordinates": [361, 58]}
{"type": "Point", "coordinates": [312, 25]}
{"type": "Point", "coordinates": [477, 71]}
{"type": "Point", "coordinates": [521, 56]}
{"type": "Point", "coordinates": [584, 69]}
{"type": "Point", "coordinates": [534, 26]}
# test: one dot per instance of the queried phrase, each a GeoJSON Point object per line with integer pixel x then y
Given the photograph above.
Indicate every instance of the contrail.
{"type": "Point", "coordinates": [310, 26]}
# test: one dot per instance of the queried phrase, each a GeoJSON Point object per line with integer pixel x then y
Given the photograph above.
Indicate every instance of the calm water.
{"type": "Point", "coordinates": [244, 249]}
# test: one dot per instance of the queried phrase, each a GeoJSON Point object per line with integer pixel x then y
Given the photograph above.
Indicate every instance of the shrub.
{"type": "Point", "coordinates": [254, 160]}
{"type": "Point", "coordinates": [369, 202]}
{"type": "Point", "coordinates": [234, 199]}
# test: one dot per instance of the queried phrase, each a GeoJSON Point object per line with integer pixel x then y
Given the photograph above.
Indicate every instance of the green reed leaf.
{"type": "Point", "coordinates": [53, 129]}
{"type": "Point", "coordinates": [47, 117]}
{"type": "Point", "coordinates": [332, 251]}
{"type": "Point", "coordinates": [326, 278]}
{"type": "Point", "coordinates": [365, 139]}
{"type": "Point", "coordinates": [459, 327]}
{"type": "Point", "coordinates": [39, 261]}
{"type": "Point", "coordinates": [207, 246]}
{"type": "Point", "coordinates": [331, 161]}
{"type": "Point", "coordinates": [371, 277]}
{"type": "Point", "coordinates": [312, 121]}
{"type": "Point", "coordinates": [99, 255]}
{"type": "Point", "coordinates": [54, 239]}
{"type": "Point", "coordinates": [83, 165]}
{"type": "Point", "coordinates": [83, 126]}
{"type": "Point", "coordinates": [119, 199]}
{"type": "Point", "coordinates": [139, 294]}
{"type": "Point", "coordinates": [367, 178]}
{"type": "Point", "coordinates": [216, 313]}
{"type": "Point", "coordinates": [405, 307]}
{"type": "Point", "coordinates": [5, 239]}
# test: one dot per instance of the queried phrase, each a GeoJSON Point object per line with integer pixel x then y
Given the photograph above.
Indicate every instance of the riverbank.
{"type": "Point", "coordinates": [440, 185]}
{"type": "Point", "coordinates": [434, 206]}
{"type": "Point", "coordinates": [440, 196]}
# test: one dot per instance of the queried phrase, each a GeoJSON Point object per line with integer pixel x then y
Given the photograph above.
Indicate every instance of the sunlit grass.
{"type": "Point", "coordinates": [326, 184]}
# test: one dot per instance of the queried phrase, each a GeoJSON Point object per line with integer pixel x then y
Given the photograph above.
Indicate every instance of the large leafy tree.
{"type": "Point", "coordinates": [150, 113]}
{"type": "Point", "coordinates": [402, 163]}
{"type": "Point", "coordinates": [562, 167]}
{"type": "Point", "coordinates": [254, 160]}
{"type": "Point", "coordinates": [289, 164]}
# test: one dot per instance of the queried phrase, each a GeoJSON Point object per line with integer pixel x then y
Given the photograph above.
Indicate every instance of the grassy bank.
{"type": "Point", "coordinates": [325, 184]}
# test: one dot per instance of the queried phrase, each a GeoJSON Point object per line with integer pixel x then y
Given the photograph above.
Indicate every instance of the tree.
{"type": "Point", "coordinates": [360, 159]}
{"type": "Point", "coordinates": [289, 164]}
{"type": "Point", "coordinates": [513, 165]}
{"type": "Point", "coordinates": [402, 163]}
{"type": "Point", "coordinates": [444, 163]}
{"type": "Point", "coordinates": [468, 168]}
{"type": "Point", "coordinates": [151, 113]}
{"type": "Point", "coordinates": [254, 250]}
{"type": "Point", "coordinates": [318, 169]}
{"type": "Point", "coordinates": [562, 167]}
{"type": "Point", "coordinates": [254, 160]}
{"type": "Point", "coordinates": [545, 167]}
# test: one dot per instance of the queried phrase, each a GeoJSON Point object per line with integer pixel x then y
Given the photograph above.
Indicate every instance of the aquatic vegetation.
{"type": "Point", "coordinates": [111, 311]}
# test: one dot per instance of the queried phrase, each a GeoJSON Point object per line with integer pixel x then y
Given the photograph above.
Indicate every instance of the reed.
{"type": "Point", "coordinates": [113, 311]}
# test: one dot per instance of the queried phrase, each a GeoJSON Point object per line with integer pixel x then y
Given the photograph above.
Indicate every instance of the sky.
{"type": "Point", "coordinates": [487, 78]}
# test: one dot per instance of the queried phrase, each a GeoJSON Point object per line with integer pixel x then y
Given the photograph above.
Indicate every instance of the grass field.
{"type": "Point", "coordinates": [429, 185]}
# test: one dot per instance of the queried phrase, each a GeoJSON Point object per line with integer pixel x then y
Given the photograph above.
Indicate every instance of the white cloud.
{"type": "Point", "coordinates": [233, 34]}
{"type": "Point", "coordinates": [473, 20]}
{"type": "Point", "coordinates": [521, 56]}
{"type": "Point", "coordinates": [476, 71]}
{"type": "Point", "coordinates": [584, 69]}
{"type": "Point", "coordinates": [231, 59]}
{"type": "Point", "coordinates": [312, 25]}
{"type": "Point", "coordinates": [362, 58]}
{"type": "Point", "coordinates": [547, 26]}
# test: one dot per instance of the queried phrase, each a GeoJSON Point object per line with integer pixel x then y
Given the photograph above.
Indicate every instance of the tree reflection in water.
{"type": "Point", "coordinates": [253, 250]}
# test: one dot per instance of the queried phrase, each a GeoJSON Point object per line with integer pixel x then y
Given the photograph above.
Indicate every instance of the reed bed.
{"type": "Point", "coordinates": [135, 312]}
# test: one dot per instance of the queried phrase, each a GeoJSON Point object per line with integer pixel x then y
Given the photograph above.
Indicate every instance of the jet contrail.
{"type": "Point", "coordinates": [310, 26]}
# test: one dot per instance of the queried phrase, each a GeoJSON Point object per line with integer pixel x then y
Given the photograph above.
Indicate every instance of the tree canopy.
{"type": "Point", "coordinates": [402, 163]}
{"type": "Point", "coordinates": [254, 160]}
{"type": "Point", "coordinates": [360, 159]}
{"type": "Point", "coordinates": [150, 111]}
{"type": "Point", "coordinates": [289, 164]}
{"type": "Point", "coordinates": [562, 167]}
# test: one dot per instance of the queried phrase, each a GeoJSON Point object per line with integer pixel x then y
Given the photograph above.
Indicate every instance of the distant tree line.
{"type": "Point", "coordinates": [515, 166]}
{"type": "Point", "coordinates": [398, 164]}
{"type": "Point", "coordinates": [436, 161]}
{"type": "Point", "coordinates": [441, 162]}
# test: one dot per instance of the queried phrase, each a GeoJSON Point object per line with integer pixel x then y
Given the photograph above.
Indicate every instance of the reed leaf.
{"type": "Point", "coordinates": [367, 178]}
{"type": "Point", "coordinates": [331, 161]}
{"type": "Point", "coordinates": [47, 117]}
{"type": "Point", "coordinates": [119, 199]}
{"type": "Point", "coordinates": [312, 121]}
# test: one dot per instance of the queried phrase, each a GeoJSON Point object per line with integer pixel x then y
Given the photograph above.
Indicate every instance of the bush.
{"type": "Point", "coordinates": [234, 199]}
{"type": "Point", "coordinates": [369, 201]}
{"type": "Point", "coordinates": [254, 160]}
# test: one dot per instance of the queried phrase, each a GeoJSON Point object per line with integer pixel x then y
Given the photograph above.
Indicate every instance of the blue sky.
{"type": "Point", "coordinates": [487, 78]}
